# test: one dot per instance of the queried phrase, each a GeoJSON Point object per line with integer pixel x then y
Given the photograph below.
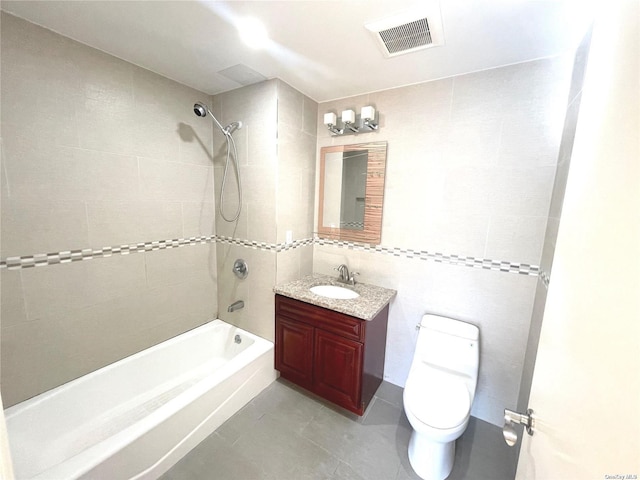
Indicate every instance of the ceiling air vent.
{"type": "Point", "coordinates": [408, 32]}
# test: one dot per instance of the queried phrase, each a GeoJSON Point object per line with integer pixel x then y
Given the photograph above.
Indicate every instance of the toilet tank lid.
{"type": "Point", "coordinates": [450, 326]}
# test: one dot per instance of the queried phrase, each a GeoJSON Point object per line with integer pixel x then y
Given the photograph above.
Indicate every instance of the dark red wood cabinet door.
{"type": "Point", "coordinates": [338, 370]}
{"type": "Point", "coordinates": [294, 351]}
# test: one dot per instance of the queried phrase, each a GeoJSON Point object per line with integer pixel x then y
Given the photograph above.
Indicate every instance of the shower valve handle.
{"type": "Point", "coordinates": [241, 269]}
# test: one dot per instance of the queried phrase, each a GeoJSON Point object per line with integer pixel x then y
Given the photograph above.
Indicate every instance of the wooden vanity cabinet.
{"type": "Point", "coordinates": [336, 356]}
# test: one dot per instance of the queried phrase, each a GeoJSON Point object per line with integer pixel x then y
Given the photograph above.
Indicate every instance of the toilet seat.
{"type": "Point", "coordinates": [438, 399]}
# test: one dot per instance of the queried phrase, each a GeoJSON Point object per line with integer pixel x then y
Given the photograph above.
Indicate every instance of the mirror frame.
{"type": "Point", "coordinates": [374, 194]}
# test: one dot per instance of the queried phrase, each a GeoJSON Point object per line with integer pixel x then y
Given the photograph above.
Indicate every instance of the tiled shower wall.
{"type": "Point", "coordinates": [276, 148]}
{"type": "Point", "coordinates": [115, 167]}
{"type": "Point", "coordinates": [97, 152]}
{"type": "Point", "coordinates": [470, 169]}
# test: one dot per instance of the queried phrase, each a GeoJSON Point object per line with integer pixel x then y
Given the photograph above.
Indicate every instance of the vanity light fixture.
{"type": "Point", "coordinates": [351, 123]}
{"type": "Point", "coordinates": [368, 116]}
{"type": "Point", "coordinates": [330, 120]}
{"type": "Point", "coordinates": [349, 120]}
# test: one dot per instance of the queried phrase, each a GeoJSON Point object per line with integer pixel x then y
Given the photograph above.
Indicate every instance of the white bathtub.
{"type": "Point", "coordinates": [135, 418]}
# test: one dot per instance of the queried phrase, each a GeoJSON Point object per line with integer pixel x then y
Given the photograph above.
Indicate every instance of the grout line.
{"type": "Point", "coordinates": [388, 402]}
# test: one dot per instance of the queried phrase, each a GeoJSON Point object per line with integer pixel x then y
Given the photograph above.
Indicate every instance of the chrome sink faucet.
{"type": "Point", "coordinates": [344, 276]}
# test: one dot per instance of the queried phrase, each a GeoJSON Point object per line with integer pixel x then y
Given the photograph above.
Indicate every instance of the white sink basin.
{"type": "Point", "coordinates": [333, 291]}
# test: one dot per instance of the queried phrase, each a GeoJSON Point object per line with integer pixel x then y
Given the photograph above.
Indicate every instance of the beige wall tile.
{"type": "Point", "coordinates": [258, 101]}
{"type": "Point", "coordinates": [198, 219]}
{"type": "Point", "coordinates": [194, 146]}
{"type": "Point", "coordinates": [256, 290]}
{"type": "Point", "coordinates": [42, 226]}
{"type": "Point", "coordinates": [28, 369]}
{"type": "Point", "coordinates": [296, 150]}
{"type": "Point", "coordinates": [513, 237]}
{"type": "Point", "coordinates": [461, 234]}
{"type": "Point", "coordinates": [256, 107]}
{"type": "Point", "coordinates": [156, 136]}
{"type": "Point", "coordinates": [293, 264]}
{"type": "Point", "coordinates": [530, 138]}
{"type": "Point", "coordinates": [175, 181]}
{"type": "Point", "coordinates": [114, 223]}
{"type": "Point", "coordinates": [106, 124]}
{"type": "Point", "coordinates": [295, 182]}
{"type": "Point", "coordinates": [309, 116]}
{"type": "Point", "coordinates": [259, 185]}
{"type": "Point", "coordinates": [176, 265]}
{"type": "Point", "coordinates": [12, 306]}
{"type": "Point", "coordinates": [64, 173]}
{"type": "Point", "coordinates": [522, 191]}
{"type": "Point", "coordinates": [63, 287]}
{"type": "Point", "coordinates": [114, 156]}
{"type": "Point", "coordinates": [261, 222]}
{"type": "Point", "coordinates": [290, 107]}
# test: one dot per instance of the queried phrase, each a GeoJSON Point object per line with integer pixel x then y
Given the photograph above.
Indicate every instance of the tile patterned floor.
{"type": "Point", "coordinates": [288, 434]}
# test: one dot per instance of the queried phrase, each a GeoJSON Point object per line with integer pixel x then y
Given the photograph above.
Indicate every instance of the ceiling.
{"type": "Point", "coordinates": [319, 47]}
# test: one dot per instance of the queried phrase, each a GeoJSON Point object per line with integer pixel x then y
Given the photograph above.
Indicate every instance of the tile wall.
{"type": "Point", "coordinates": [96, 153]}
{"type": "Point", "coordinates": [555, 209]}
{"type": "Point", "coordinates": [470, 170]}
{"type": "Point", "coordinates": [115, 168]}
{"type": "Point", "coordinates": [276, 147]}
{"type": "Point", "coordinates": [297, 140]}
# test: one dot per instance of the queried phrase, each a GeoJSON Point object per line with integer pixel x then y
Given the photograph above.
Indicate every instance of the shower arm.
{"type": "Point", "coordinates": [215, 120]}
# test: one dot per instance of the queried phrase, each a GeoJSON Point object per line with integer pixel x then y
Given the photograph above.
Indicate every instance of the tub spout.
{"type": "Point", "coordinates": [235, 306]}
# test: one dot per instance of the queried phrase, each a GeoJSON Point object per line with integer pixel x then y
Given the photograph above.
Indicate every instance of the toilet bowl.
{"type": "Point", "coordinates": [439, 392]}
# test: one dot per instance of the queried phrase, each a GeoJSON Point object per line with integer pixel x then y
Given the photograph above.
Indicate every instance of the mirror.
{"type": "Point", "coordinates": [351, 192]}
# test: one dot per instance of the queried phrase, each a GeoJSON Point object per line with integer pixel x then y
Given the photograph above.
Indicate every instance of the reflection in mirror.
{"type": "Point", "coordinates": [345, 176]}
{"type": "Point", "coordinates": [351, 192]}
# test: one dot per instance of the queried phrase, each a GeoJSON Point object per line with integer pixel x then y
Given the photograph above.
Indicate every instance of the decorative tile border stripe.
{"type": "Point", "coordinates": [283, 247]}
{"type": "Point", "coordinates": [452, 259]}
{"type": "Point", "coordinates": [270, 247]}
{"type": "Point", "coordinates": [44, 259]}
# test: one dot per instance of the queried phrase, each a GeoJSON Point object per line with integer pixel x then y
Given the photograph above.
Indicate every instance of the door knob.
{"type": "Point", "coordinates": [512, 418]}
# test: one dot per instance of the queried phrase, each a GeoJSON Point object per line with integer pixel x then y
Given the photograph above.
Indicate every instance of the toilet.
{"type": "Point", "coordinates": [439, 392]}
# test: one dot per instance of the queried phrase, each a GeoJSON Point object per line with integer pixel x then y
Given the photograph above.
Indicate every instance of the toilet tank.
{"type": "Point", "coordinates": [449, 344]}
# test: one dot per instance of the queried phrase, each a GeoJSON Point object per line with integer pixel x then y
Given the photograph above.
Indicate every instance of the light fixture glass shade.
{"type": "Point", "coordinates": [368, 113]}
{"type": "Point", "coordinates": [330, 118]}
{"type": "Point", "coordinates": [348, 116]}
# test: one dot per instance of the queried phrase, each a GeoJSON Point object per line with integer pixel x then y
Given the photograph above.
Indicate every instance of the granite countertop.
{"type": "Point", "coordinates": [371, 301]}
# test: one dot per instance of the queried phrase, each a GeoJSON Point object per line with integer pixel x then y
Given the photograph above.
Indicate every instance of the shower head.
{"type": "Point", "coordinates": [200, 110]}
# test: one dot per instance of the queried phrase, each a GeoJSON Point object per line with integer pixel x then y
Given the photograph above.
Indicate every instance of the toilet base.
{"type": "Point", "coordinates": [429, 459]}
